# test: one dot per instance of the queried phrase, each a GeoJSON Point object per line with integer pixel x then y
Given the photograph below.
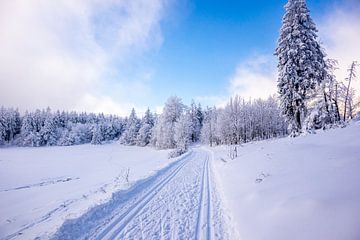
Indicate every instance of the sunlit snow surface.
{"type": "Point", "coordinates": [302, 188]}
{"type": "Point", "coordinates": [41, 187]}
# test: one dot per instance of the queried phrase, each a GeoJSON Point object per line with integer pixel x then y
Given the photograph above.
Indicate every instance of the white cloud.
{"type": "Point", "coordinates": [340, 33]}
{"type": "Point", "coordinates": [59, 53]}
{"type": "Point", "coordinates": [100, 104]}
{"type": "Point", "coordinates": [254, 78]}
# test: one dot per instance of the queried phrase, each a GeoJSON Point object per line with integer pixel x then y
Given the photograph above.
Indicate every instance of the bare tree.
{"type": "Point", "coordinates": [352, 75]}
{"type": "Point", "coordinates": [331, 94]}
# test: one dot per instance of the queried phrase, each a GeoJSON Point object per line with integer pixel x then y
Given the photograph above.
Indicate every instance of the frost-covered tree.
{"type": "Point", "coordinates": [97, 135]}
{"type": "Point", "coordinates": [350, 92]}
{"type": "Point", "coordinates": [301, 63]}
{"type": "Point", "coordinates": [209, 128]}
{"type": "Point", "coordinates": [129, 136]}
{"type": "Point", "coordinates": [183, 130]}
{"type": "Point", "coordinates": [3, 125]}
{"type": "Point", "coordinates": [147, 124]}
{"type": "Point", "coordinates": [331, 92]}
{"type": "Point", "coordinates": [324, 108]}
{"type": "Point", "coordinates": [196, 116]}
{"type": "Point", "coordinates": [81, 133]}
{"type": "Point", "coordinates": [243, 121]}
{"type": "Point", "coordinates": [10, 125]}
{"type": "Point", "coordinates": [44, 128]}
{"type": "Point", "coordinates": [49, 132]}
{"type": "Point", "coordinates": [31, 127]}
{"type": "Point", "coordinates": [163, 132]}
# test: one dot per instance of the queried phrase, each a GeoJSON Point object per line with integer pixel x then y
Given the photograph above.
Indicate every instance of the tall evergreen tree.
{"type": "Point", "coordinates": [147, 123]}
{"type": "Point", "coordinates": [132, 127]}
{"type": "Point", "coordinates": [49, 132]}
{"type": "Point", "coordinates": [97, 136]}
{"type": "Point", "coordinates": [197, 118]}
{"type": "Point", "coordinates": [301, 63]}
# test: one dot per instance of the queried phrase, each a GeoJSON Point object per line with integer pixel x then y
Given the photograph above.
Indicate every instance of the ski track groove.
{"type": "Point", "coordinates": [204, 222]}
{"type": "Point", "coordinates": [131, 213]}
{"type": "Point", "coordinates": [209, 202]}
{"type": "Point", "coordinates": [181, 203]}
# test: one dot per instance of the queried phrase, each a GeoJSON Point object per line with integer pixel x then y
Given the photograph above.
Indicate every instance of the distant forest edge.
{"type": "Point", "coordinates": [177, 127]}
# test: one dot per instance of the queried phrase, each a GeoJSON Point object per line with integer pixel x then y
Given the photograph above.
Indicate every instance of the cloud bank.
{"type": "Point", "coordinates": [254, 78]}
{"type": "Point", "coordinates": [339, 31]}
{"type": "Point", "coordinates": [63, 53]}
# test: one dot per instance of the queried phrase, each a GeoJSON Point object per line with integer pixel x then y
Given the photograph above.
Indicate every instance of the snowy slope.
{"type": "Point", "coordinates": [302, 188]}
{"type": "Point", "coordinates": [41, 187]}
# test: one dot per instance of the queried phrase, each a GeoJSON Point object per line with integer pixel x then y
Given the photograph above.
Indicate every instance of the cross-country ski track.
{"type": "Point", "coordinates": [178, 202]}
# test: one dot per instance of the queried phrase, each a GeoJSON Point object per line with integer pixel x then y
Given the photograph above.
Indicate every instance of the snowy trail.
{"type": "Point", "coordinates": [203, 226]}
{"type": "Point", "coordinates": [180, 202]}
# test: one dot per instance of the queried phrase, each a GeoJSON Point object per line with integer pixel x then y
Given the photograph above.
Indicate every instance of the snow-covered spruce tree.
{"type": "Point", "coordinates": [10, 125]}
{"type": "Point", "coordinates": [49, 132]}
{"type": "Point", "coordinates": [184, 130]}
{"type": "Point", "coordinates": [147, 123]}
{"type": "Point", "coordinates": [132, 127]}
{"type": "Point", "coordinates": [97, 136]}
{"type": "Point", "coordinates": [301, 63]}
{"type": "Point", "coordinates": [30, 129]}
{"type": "Point", "coordinates": [3, 123]}
{"type": "Point", "coordinates": [197, 118]}
{"type": "Point", "coordinates": [163, 131]}
{"type": "Point", "coordinates": [82, 133]}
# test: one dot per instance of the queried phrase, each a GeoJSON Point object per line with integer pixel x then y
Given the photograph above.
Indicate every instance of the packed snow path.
{"type": "Point", "coordinates": [179, 202]}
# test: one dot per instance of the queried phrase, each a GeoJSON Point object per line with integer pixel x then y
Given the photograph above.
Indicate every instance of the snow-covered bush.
{"type": "Point", "coordinates": [176, 153]}
{"type": "Point", "coordinates": [357, 117]}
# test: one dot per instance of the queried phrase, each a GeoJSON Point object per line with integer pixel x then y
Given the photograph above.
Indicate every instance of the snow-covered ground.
{"type": "Point", "coordinates": [41, 187]}
{"type": "Point", "coordinates": [290, 188]}
{"type": "Point", "coordinates": [302, 188]}
{"type": "Point", "coordinates": [180, 202]}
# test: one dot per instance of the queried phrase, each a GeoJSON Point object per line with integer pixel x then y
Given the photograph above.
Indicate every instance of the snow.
{"type": "Point", "coordinates": [294, 188]}
{"type": "Point", "coordinates": [289, 188]}
{"type": "Point", "coordinates": [41, 187]}
{"type": "Point", "coordinates": [179, 202]}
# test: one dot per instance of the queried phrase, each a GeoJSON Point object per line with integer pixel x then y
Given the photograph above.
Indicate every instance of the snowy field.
{"type": "Point", "coordinates": [41, 187]}
{"type": "Point", "coordinates": [302, 188]}
{"type": "Point", "coordinates": [291, 188]}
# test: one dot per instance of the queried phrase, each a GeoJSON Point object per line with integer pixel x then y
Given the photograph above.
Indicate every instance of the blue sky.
{"type": "Point", "coordinates": [110, 57]}
{"type": "Point", "coordinates": [209, 39]}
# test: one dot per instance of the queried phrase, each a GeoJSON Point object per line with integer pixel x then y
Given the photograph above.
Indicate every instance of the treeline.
{"type": "Point", "coordinates": [177, 127]}
{"type": "Point", "coordinates": [45, 128]}
{"type": "Point", "coordinates": [243, 121]}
